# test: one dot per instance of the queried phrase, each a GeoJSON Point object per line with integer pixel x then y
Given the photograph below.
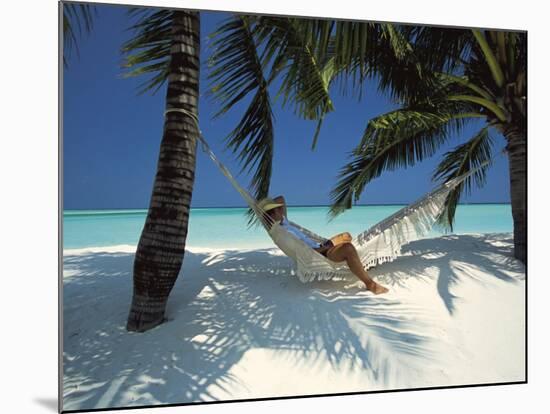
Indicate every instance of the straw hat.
{"type": "Point", "coordinates": [267, 204]}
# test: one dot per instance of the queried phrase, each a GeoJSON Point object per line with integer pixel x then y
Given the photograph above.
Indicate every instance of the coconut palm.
{"type": "Point", "coordinates": [166, 43]}
{"type": "Point", "coordinates": [465, 75]}
{"type": "Point", "coordinates": [78, 20]}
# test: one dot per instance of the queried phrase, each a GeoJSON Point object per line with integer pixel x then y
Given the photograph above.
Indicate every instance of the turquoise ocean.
{"type": "Point", "coordinates": [227, 227]}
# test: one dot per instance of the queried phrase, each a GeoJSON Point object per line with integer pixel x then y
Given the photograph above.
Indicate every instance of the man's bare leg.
{"type": "Point", "coordinates": [346, 252]}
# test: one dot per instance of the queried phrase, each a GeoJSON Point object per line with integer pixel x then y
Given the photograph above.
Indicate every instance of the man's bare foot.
{"type": "Point", "coordinates": [376, 288]}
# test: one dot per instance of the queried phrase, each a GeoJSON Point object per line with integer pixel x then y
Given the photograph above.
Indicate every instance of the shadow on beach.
{"type": "Point", "coordinates": [455, 257]}
{"type": "Point", "coordinates": [228, 302]}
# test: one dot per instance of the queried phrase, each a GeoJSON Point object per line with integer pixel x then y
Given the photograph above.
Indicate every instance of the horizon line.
{"type": "Point", "coordinates": [288, 205]}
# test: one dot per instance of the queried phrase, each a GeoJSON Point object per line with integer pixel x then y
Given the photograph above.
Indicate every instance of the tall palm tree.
{"type": "Point", "coordinates": [172, 38]}
{"type": "Point", "coordinates": [465, 75]}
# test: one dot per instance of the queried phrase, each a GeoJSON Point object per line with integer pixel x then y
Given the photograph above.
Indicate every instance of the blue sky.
{"type": "Point", "coordinates": [112, 136]}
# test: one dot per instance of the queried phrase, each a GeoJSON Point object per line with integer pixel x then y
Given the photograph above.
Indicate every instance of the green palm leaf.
{"type": "Point", "coordinates": [237, 71]}
{"type": "Point", "coordinates": [440, 49]}
{"type": "Point", "coordinates": [76, 17]}
{"type": "Point", "coordinates": [464, 81]}
{"type": "Point", "coordinates": [395, 140]}
{"type": "Point", "coordinates": [492, 106]}
{"type": "Point", "coordinates": [477, 152]}
{"type": "Point", "coordinates": [490, 56]}
{"type": "Point", "coordinates": [383, 52]}
{"type": "Point", "coordinates": [291, 50]}
{"type": "Point", "coordinates": [249, 54]}
{"type": "Point", "coordinates": [147, 52]}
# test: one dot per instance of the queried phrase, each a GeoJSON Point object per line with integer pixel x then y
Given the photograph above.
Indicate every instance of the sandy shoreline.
{"type": "Point", "coordinates": [241, 326]}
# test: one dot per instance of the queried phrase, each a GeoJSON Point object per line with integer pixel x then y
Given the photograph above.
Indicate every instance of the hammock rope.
{"type": "Point", "coordinates": [379, 244]}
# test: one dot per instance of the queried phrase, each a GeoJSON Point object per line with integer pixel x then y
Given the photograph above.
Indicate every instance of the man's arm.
{"type": "Point", "coordinates": [323, 248]}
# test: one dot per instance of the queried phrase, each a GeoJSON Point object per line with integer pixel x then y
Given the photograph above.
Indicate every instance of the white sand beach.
{"type": "Point", "coordinates": [241, 326]}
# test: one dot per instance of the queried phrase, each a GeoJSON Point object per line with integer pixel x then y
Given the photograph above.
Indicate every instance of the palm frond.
{"type": "Point", "coordinates": [237, 71]}
{"type": "Point", "coordinates": [291, 47]}
{"type": "Point", "coordinates": [383, 52]}
{"type": "Point", "coordinates": [475, 153]}
{"type": "Point", "coordinates": [465, 82]}
{"type": "Point", "coordinates": [498, 64]}
{"type": "Point", "coordinates": [148, 50]}
{"type": "Point", "coordinates": [440, 49]}
{"type": "Point", "coordinates": [354, 47]}
{"type": "Point", "coordinates": [308, 71]}
{"type": "Point", "coordinates": [397, 139]}
{"type": "Point", "coordinates": [76, 17]}
{"type": "Point", "coordinates": [516, 54]}
{"type": "Point", "coordinates": [489, 105]}
{"type": "Point", "coordinates": [489, 55]}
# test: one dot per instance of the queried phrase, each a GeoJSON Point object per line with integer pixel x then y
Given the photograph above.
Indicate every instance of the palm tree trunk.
{"type": "Point", "coordinates": [517, 156]}
{"type": "Point", "coordinates": [161, 247]}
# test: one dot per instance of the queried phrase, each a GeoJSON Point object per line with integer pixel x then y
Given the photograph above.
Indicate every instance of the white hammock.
{"type": "Point", "coordinates": [379, 244]}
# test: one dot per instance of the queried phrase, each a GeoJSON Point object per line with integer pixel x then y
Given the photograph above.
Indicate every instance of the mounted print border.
{"type": "Point", "coordinates": [259, 206]}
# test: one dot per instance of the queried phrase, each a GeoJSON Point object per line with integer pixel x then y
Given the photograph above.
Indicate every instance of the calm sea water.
{"type": "Point", "coordinates": [226, 227]}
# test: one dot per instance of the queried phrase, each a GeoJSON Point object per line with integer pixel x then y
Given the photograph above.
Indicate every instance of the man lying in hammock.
{"type": "Point", "coordinates": [337, 249]}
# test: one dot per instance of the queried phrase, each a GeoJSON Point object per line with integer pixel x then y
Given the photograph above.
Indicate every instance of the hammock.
{"type": "Point", "coordinates": [379, 244]}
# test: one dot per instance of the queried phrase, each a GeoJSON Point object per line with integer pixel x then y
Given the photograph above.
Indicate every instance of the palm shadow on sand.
{"type": "Point", "coordinates": [227, 303]}
{"type": "Point", "coordinates": [464, 255]}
